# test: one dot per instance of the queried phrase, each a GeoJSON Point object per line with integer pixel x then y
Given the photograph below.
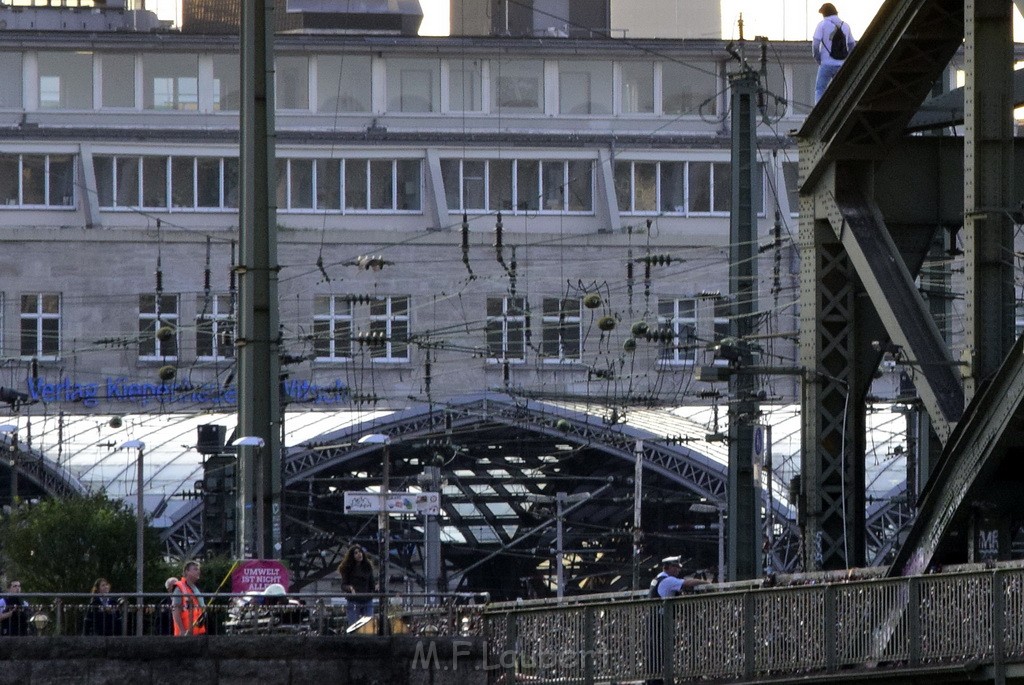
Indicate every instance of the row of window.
{"type": "Point", "coordinates": [37, 180]}
{"type": "Point", "coordinates": [349, 83]}
{"type": "Point", "coordinates": [518, 184]}
{"type": "Point", "coordinates": [161, 182]}
{"type": "Point", "coordinates": [380, 185]}
{"type": "Point", "coordinates": [341, 323]}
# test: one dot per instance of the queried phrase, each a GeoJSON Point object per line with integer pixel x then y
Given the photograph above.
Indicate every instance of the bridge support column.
{"type": "Point", "coordinates": [832, 467]}
{"type": "Point", "coordinates": [988, 187]}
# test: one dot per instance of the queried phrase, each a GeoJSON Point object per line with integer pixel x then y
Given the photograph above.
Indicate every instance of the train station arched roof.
{"type": "Point", "coordinates": [502, 457]}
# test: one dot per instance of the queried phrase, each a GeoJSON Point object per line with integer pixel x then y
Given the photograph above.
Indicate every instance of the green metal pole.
{"type": "Point", "coordinates": [259, 406]}
{"type": "Point", "coordinates": [744, 527]}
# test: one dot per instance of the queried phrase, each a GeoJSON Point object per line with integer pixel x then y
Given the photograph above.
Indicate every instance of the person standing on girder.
{"type": "Point", "coordinates": [833, 41]}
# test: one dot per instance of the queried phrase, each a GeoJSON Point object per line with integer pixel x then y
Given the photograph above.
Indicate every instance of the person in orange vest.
{"type": "Point", "coordinates": [187, 605]}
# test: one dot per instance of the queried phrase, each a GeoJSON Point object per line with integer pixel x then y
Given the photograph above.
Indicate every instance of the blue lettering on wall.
{"type": "Point", "coordinates": [123, 390]}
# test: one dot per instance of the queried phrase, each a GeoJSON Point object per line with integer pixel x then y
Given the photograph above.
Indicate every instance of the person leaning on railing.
{"type": "Point", "coordinates": [665, 585]}
{"type": "Point", "coordinates": [104, 614]}
{"type": "Point", "coordinates": [668, 583]}
{"type": "Point", "coordinates": [358, 582]}
{"type": "Point", "coordinates": [14, 612]}
{"type": "Point", "coordinates": [188, 606]}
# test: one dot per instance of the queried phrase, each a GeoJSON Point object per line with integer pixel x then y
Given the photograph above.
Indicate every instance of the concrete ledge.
{"type": "Point", "coordinates": [288, 660]}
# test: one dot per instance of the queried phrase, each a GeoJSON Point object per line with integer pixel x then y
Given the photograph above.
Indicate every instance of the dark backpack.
{"type": "Point", "coordinates": [837, 48]}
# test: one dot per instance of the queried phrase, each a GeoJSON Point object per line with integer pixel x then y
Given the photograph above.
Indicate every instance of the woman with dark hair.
{"type": "Point", "coordinates": [357, 581]}
{"type": "Point", "coordinates": [104, 614]}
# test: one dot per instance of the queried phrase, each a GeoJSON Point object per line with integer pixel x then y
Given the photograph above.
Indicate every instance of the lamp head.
{"type": "Point", "coordinates": [374, 439]}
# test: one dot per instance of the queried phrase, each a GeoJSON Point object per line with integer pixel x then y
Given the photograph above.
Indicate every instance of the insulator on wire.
{"type": "Point", "coordinates": [465, 243]}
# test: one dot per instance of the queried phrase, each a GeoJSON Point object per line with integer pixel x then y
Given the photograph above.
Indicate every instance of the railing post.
{"type": "Point", "coordinates": [998, 628]}
{"type": "Point", "coordinates": [831, 629]}
{"type": "Point", "coordinates": [914, 619]}
{"type": "Point", "coordinates": [668, 640]}
{"type": "Point", "coordinates": [321, 610]}
{"type": "Point", "coordinates": [510, 658]}
{"type": "Point", "coordinates": [749, 651]}
{"type": "Point", "coordinates": [58, 610]}
{"type": "Point", "coordinates": [588, 644]}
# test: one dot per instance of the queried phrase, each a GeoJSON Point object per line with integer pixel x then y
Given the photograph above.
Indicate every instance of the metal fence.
{"type": "Point", "coordinates": [250, 614]}
{"type": "Point", "coordinates": [898, 623]}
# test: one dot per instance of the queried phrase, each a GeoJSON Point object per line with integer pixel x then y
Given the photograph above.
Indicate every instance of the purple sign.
{"type": "Point", "coordinates": [254, 575]}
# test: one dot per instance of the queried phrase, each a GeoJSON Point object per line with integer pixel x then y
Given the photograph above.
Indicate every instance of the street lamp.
{"type": "Point", "coordinates": [383, 525]}
{"type": "Point", "coordinates": [12, 430]}
{"type": "Point", "coordinates": [139, 529]}
{"type": "Point", "coordinates": [246, 513]}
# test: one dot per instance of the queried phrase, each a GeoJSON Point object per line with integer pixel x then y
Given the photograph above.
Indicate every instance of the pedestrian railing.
{"type": "Point", "coordinates": [758, 632]}
{"type": "Point", "coordinates": [312, 614]}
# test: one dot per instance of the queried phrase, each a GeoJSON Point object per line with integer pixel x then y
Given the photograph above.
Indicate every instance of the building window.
{"type": "Point", "coordinates": [118, 74]}
{"type": "Point", "coordinates": [158, 327]}
{"type": "Point", "coordinates": [227, 84]}
{"type": "Point", "coordinates": [389, 329]}
{"type": "Point", "coordinates": [636, 187]}
{"type": "Point", "coordinates": [37, 180]}
{"type": "Point", "coordinates": [332, 328]}
{"type": "Point", "coordinates": [343, 83]}
{"type": "Point", "coordinates": [679, 317]}
{"type": "Point", "coordinates": [561, 336]}
{"type": "Point", "coordinates": [791, 177]}
{"type": "Point", "coordinates": [291, 84]}
{"type": "Point", "coordinates": [65, 80]}
{"type": "Point", "coordinates": [382, 185]}
{"type": "Point", "coordinates": [518, 86]}
{"type": "Point", "coordinates": [171, 81]}
{"type": "Point", "coordinates": [154, 181]}
{"type": "Point", "coordinates": [690, 88]}
{"type": "Point", "coordinates": [10, 80]}
{"type": "Point", "coordinates": [696, 324]}
{"type": "Point", "coordinates": [465, 85]}
{"type": "Point", "coordinates": [40, 325]}
{"type": "Point", "coordinates": [414, 85]}
{"type": "Point", "coordinates": [215, 326]}
{"type": "Point", "coordinates": [804, 76]}
{"type": "Point", "coordinates": [465, 184]}
{"type": "Point", "coordinates": [209, 182]}
{"type": "Point", "coordinates": [637, 94]}
{"type": "Point", "coordinates": [506, 329]}
{"type": "Point", "coordinates": [584, 87]}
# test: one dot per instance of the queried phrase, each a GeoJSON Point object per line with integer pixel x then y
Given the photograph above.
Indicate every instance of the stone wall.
{"type": "Point", "coordinates": [268, 660]}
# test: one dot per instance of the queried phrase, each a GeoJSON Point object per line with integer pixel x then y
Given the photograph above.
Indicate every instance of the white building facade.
{"type": "Point", "coordinates": [606, 161]}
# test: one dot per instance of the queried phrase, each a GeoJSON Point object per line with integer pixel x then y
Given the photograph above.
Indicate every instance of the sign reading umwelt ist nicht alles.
{"type": "Point", "coordinates": [256, 575]}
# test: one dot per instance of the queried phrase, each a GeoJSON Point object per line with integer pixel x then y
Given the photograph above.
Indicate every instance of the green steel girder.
{"type": "Point", "coordinates": [988, 435]}
{"type": "Point", "coordinates": [829, 511]}
{"type": "Point", "coordinates": [895, 296]}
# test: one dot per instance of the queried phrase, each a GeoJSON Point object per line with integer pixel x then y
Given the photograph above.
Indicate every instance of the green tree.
{"type": "Point", "coordinates": [64, 545]}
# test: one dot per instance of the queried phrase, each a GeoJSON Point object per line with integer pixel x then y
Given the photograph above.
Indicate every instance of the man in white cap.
{"type": "Point", "coordinates": [668, 583]}
{"type": "Point", "coordinates": [833, 41]}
